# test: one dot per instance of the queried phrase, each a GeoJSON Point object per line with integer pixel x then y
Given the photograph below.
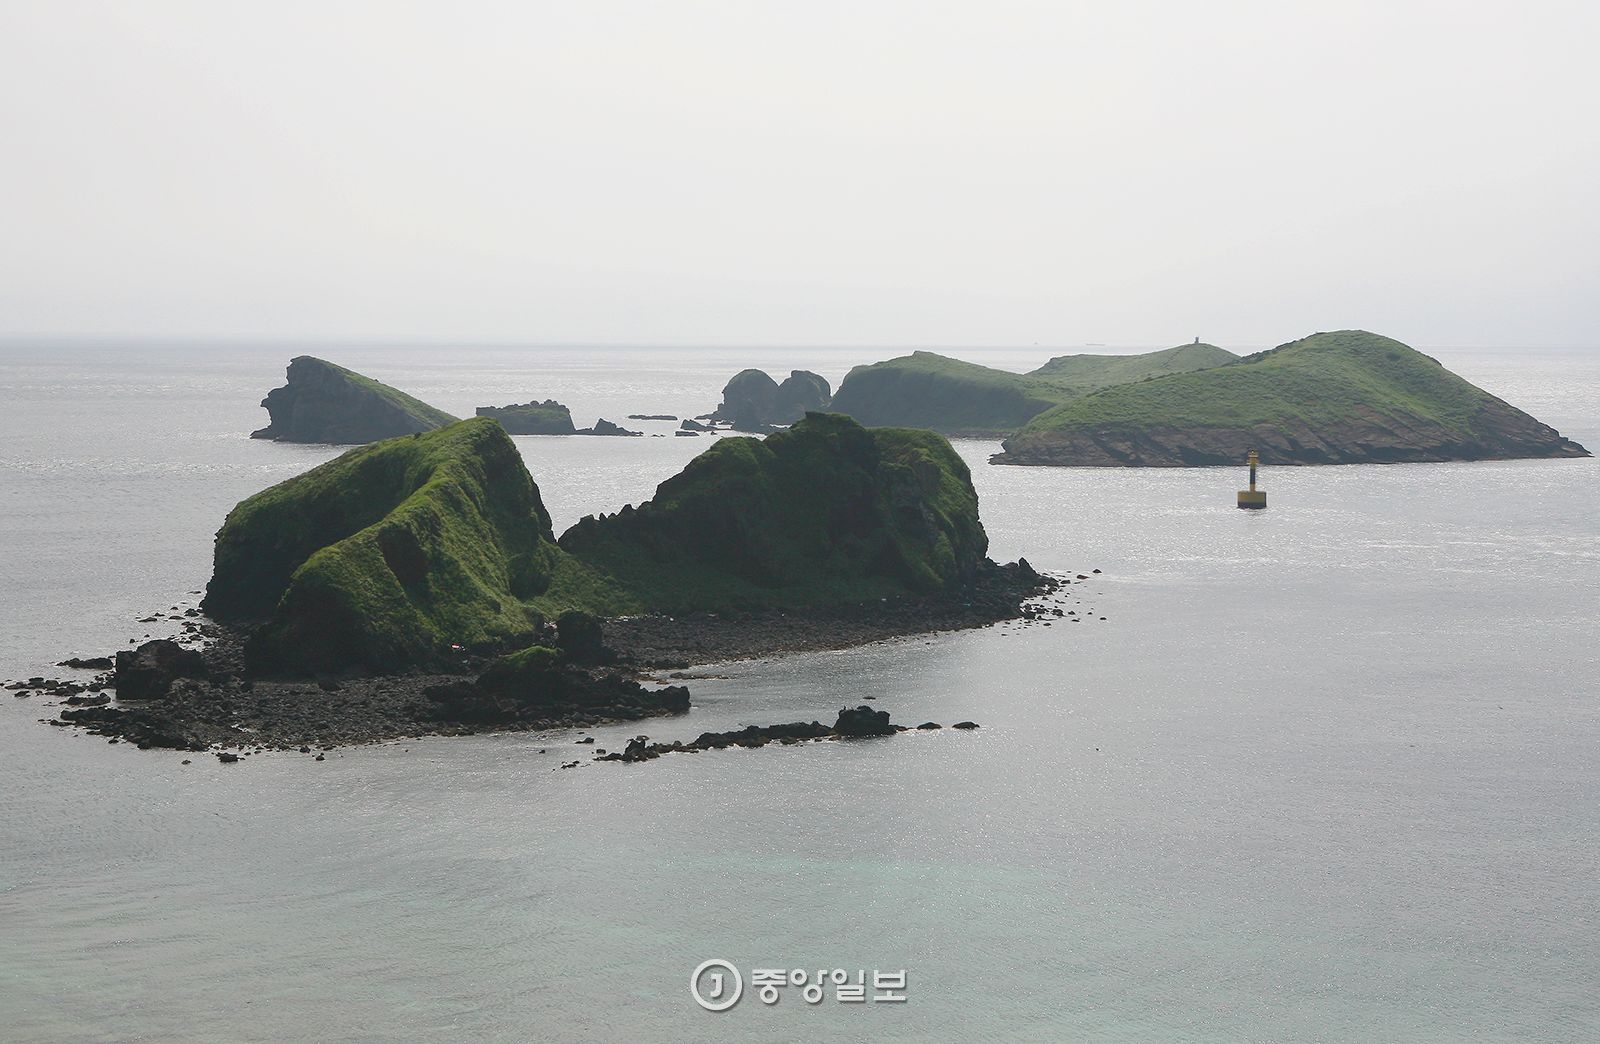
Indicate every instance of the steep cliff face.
{"type": "Point", "coordinates": [824, 513]}
{"type": "Point", "coordinates": [323, 402]}
{"type": "Point", "coordinates": [388, 554]}
{"type": "Point", "coordinates": [1333, 398]}
{"type": "Point", "coordinates": [532, 418]}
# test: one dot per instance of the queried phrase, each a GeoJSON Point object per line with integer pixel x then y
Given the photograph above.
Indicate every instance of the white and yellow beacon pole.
{"type": "Point", "coordinates": [1253, 497]}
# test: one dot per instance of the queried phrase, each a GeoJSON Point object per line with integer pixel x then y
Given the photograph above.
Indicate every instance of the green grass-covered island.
{"type": "Point", "coordinates": [928, 390]}
{"type": "Point", "coordinates": [1345, 397]}
{"type": "Point", "coordinates": [324, 402]}
{"type": "Point", "coordinates": [395, 553]}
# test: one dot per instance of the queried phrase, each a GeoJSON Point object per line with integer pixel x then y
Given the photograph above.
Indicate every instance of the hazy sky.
{"type": "Point", "coordinates": [896, 173]}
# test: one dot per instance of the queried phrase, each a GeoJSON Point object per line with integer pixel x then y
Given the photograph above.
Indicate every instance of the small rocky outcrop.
{"type": "Point", "coordinates": [581, 638]}
{"type": "Point", "coordinates": [323, 402]}
{"type": "Point", "coordinates": [542, 685]}
{"type": "Point", "coordinates": [147, 673]}
{"type": "Point", "coordinates": [853, 723]}
{"type": "Point", "coordinates": [605, 427]}
{"type": "Point", "coordinates": [532, 418]}
{"type": "Point", "coordinates": [752, 401]}
{"type": "Point", "coordinates": [863, 721]}
{"type": "Point", "coordinates": [802, 392]}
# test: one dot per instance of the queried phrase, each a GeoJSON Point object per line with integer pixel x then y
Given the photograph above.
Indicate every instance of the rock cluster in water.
{"type": "Point", "coordinates": [752, 401]}
{"type": "Point", "coordinates": [852, 723]}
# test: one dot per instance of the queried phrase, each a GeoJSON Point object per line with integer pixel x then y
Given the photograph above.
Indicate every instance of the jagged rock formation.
{"type": "Point", "coordinates": [323, 402]}
{"type": "Point", "coordinates": [532, 418]}
{"type": "Point", "coordinates": [605, 427]}
{"type": "Point", "coordinates": [1333, 398]}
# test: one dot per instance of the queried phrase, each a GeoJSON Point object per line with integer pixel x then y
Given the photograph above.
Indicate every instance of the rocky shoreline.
{"type": "Point", "coordinates": [202, 699]}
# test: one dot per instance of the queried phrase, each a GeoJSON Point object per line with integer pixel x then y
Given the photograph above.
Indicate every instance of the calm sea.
{"type": "Point", "coordinates": [1325, 772]}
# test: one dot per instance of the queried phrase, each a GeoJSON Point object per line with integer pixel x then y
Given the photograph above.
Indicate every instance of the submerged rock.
{"type": "Point", "coordinates": [323, 402]}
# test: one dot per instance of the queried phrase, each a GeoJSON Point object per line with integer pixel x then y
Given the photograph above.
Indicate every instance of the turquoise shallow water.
{"type": "Point", "coordinates": [1329, 771]}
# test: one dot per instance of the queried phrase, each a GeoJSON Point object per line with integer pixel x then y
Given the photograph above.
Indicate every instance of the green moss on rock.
{"type": "Point", "coordinates": [389, 554]}
{"type": "Point", "coordinates": [825, 513]}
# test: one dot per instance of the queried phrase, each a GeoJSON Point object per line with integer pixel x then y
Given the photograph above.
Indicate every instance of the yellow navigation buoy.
{"type": "Point", "coordinates": [1253, 497]}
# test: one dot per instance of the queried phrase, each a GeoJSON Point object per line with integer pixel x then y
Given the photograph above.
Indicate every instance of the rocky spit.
{"type": "Point", "coordinates": [191, 692]}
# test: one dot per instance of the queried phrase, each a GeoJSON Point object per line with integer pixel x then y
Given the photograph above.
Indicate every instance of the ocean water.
{"type": "Point", "coordinates": [1325, 772]}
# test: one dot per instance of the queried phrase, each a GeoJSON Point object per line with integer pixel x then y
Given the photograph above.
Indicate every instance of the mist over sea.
{"type": "Point", "coordinates": [1328, 771]}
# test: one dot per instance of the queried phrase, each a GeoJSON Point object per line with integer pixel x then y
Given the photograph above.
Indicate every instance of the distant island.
{"type": "Point", "coordinates": [324, 402]}
{"type": "Point", "coordinates": [532, 418]}
{"type": "Point", "coordinates": [928, 390]}
{"type": "Point", "coordinates": [1347, 397]}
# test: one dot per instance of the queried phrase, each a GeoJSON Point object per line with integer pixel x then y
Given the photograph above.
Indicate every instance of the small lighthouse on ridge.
{"type": "Point", "coordinates": [1253, 497]}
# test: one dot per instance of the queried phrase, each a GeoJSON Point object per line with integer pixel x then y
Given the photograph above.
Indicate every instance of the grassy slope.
{"type": "Point", "coordinates": [431, 416]}
{"type": "Point", "coordinates": [389, 552]}
{"type": "Point", "coordinates": [934, 391]}
{"type": "Point", "coordinates": [824, 513]}
{"type": "Point", "coordinates": [1320, 380]}
{"type": "Point", "coordinates": [1082, 374]}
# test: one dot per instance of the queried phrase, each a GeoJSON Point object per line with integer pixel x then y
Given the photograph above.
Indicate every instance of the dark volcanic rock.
{"type": "Point", "coordinates": [147, 673]}
{"type": "Point", "coordinates": [580, 636]}
{"type": "Point", "coordinates": [752, 401]}
{"type": "Point", "coordinates": [93, 663]}
{"type": "Point", "coordinates": [538, 685]}
{"type": "Point", "coordinates": [532, 418]}
{"type": "Point", "coordinates": [323, 402]}
{"type": "Point", "coordinates": [801, 392]}
{"type": "Point", "coordinates": [694, 426]}
{"type": "Point", "coordinates": [605, 427]}
{"type": "Point", "coordinates": [863, 721]}
{"type": "Point", "coordinates": [750, 394]}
